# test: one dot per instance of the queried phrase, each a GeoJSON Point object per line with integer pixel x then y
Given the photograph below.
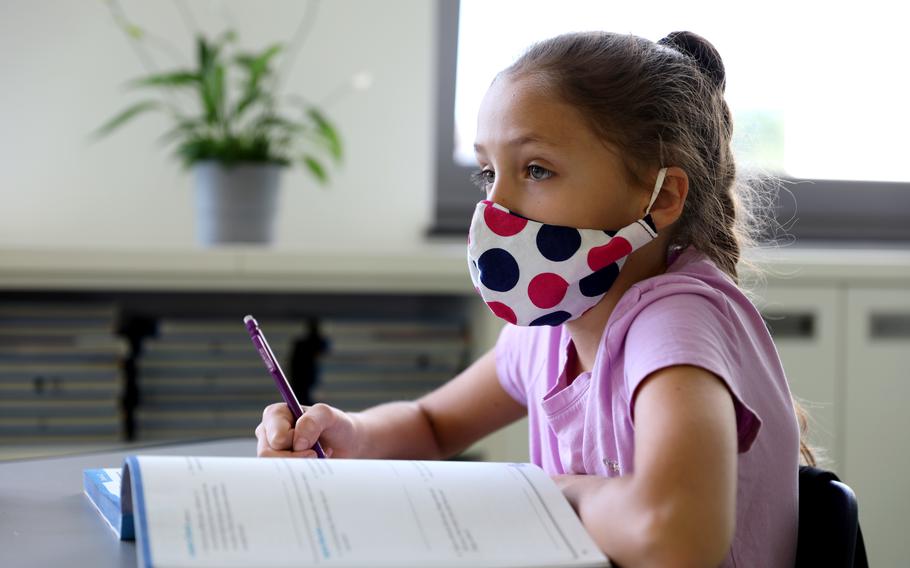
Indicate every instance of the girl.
{"type": "Point", "coordinates": [608, 239]}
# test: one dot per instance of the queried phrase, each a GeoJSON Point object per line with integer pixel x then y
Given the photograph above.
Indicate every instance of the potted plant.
{"type": "Point", "coordinates": [238, 135]}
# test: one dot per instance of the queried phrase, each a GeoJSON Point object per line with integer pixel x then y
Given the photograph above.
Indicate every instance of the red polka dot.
{"type": "Point", "coordinates": [605, 255]}
{"type": "Point", "coordinates": [502, 223]}
{"type": "Point", "coordinates": [503, 311]}
{"type": "Point", "coordinates": [547, 289]}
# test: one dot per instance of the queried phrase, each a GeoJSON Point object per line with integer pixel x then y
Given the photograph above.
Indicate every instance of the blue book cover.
{"type": "Point", "coordinates": [102, 486]}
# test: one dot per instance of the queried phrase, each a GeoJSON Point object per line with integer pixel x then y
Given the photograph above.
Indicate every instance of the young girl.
{"type": "Point", "coordinates": [608, 239]}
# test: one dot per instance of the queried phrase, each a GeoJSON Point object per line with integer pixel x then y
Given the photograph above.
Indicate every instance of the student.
{"type": "Point", "coordinates": [608, 238]}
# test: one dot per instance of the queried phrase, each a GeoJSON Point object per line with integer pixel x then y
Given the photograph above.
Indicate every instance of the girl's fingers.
{"type": "Point", "coordinates": [287, 454]}
{"type": "Point", "coordinates": [264, 451]}
{"type": "Point", "coordinates": [311, 425]}
{"type": "Point", "coordinates": [277, 409]}
{"type": "Point", "coordinates": [277, 421]}
{"type": "Point", "coordinates": [275, 437]}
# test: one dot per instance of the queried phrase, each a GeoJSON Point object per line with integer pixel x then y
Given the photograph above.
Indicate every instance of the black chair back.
{"type": "Point", "coordinates": [829, 533]}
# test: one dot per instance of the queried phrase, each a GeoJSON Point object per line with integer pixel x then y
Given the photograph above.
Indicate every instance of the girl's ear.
{"type": "Point", "coordinates": [668, 206]}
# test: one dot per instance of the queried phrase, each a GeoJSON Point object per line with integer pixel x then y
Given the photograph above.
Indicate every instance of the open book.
{"type": "Point", "coordinates": [218, 511]}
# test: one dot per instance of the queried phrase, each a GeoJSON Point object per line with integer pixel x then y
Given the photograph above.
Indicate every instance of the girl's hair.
{"type": "Point", "coordinates": [663, 104]}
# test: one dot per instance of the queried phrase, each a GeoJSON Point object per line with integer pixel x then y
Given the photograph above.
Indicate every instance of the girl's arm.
{"type": "Point", "coordinates": [442, 423]}
{"type": "Point", "coordinates": [678, 507]}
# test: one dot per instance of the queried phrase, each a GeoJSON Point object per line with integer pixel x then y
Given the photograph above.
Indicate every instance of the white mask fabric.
{"type": "Point", "coordinates": [531, 273]}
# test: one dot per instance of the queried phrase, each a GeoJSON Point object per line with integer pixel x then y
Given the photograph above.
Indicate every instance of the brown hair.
{"type": "Point", "coordinates": [663, 104]}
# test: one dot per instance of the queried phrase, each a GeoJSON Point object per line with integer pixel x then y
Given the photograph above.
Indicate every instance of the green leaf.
{"type": "Point", "coordinates": [227, 36]}
{"type": "Point", "coordinates": [170, 79]}
{"type": "Point", "coordinates": [251, 96]}
{"type": "Point", "coordinates": [211, 75]}
{"type": "Point", "coordinates": [273, 121]}
{"type": "Point", "coordinates": [208, 104]}
{"type": "Point", "coordinates": [218, 89]}
{"type": "Point", "coordinates": [124, 116]}
{"type": "Point", "coordinates": [257, 67]}
{"type": "Point", "coordinates": [204, 53]}
{"type": "Point", "coordinates": [194, 150]}
{"type": "Point", "coordinates": [212, 92]}
{"type": "Point", "coordinates": [316, 169]}
{"type": "Point", "coordinates": [187, 128]}
{"type": "Point", "coordinates": [327, 133]}
{"type": "Point", "coordinates": [258, 64]}
{"type": "Point", "coordinates": [204, 58]}
{"type": "Point", "coordinates": [229, 149]}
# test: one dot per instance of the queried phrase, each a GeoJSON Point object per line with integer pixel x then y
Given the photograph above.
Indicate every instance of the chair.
{"type": "Point", "coordinates": [829, 533]}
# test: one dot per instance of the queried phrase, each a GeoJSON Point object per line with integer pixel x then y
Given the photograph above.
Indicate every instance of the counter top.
{"type": "Point", "coordinates": [427, 268]}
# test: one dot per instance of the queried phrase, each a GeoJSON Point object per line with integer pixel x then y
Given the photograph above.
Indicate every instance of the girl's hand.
{"type": "Point", "coordinates": [336, 431]}
{"type": "Point", "coordinates": [577, 488]}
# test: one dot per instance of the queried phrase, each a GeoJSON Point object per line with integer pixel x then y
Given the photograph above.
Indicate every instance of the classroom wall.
{"type": "Point", "coordinates": [62, 70]}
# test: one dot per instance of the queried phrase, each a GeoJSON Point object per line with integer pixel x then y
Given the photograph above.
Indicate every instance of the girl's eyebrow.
{"type": "Point", "coordinates": [519, 141]}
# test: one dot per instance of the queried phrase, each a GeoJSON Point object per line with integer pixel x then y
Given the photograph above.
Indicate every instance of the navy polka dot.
{"type": "Point", "coordinates": [610, 234]}
{"type": "Point", "coordinates": [599, 282]}
{"type": "Point", "coordinates": [558, 243]}
{"type": "Point", "coordinates": [498, 270]}
{"type": "Point", "coordinates": [553, 319]}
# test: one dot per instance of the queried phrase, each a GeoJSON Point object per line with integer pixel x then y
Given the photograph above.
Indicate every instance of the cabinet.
{"type": "Point", "coordinates": [845, 345]}
{"type": "Point", "coordinates": [806, 323]}
{"type": "Point", "coordinates": [877, 421]}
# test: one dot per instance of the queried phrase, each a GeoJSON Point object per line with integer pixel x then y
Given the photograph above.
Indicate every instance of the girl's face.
{"type": "Point", "coordinates": [539, 158]}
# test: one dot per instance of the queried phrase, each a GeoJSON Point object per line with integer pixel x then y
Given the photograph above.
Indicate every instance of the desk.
{"type": "Point", "coordinates": [46, 520]}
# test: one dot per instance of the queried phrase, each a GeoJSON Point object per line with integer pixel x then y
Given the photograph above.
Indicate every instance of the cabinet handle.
{"type": "Point", "coordinates": [889, 326]}
{"type": "Point", "coordinates": [788, 325]}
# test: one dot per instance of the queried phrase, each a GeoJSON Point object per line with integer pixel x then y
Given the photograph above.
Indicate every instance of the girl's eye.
{"type": "Point", "coordinates": [539, 173]}
{"type": "Point", "coordinates": [483, 179]}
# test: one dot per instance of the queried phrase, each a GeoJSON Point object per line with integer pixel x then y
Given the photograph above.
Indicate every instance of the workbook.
{"type": "Point", "coordinates": [220, 511]}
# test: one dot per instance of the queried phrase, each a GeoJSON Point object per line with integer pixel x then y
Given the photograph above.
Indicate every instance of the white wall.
{"type": "Point", "coordinates": [62, 68]}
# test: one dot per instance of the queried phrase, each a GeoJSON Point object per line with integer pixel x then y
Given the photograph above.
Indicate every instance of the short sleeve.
{"type": "Point", "coordinates": [507, 364]}
{"type": "Point", "coordinates": [691, 329]}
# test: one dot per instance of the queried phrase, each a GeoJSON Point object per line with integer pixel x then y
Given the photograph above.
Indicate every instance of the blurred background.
{"type": "Point", "coordinates": [168, 167]}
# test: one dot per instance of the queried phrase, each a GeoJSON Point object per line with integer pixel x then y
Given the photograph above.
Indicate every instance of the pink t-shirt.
{"type": "Point", "coordinates": [693, 314]}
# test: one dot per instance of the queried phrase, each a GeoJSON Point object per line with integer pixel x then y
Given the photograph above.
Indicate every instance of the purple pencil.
{"type": "Point", "coordinates": [271, 363]}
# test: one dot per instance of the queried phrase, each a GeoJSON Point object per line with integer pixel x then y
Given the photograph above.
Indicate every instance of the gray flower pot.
{"type": "Point", "coordinates": [236, 204]}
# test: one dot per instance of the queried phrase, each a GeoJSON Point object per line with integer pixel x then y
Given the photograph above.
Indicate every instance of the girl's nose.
{"type": "Point", "coordinates": [501, 193]}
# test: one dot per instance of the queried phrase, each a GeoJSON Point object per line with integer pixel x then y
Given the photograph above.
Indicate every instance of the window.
{"type": "Point", "coordinates": [817, 95]}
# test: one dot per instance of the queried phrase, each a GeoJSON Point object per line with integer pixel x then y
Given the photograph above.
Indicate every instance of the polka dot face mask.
{"type": "Point", "coordinates": [532, 273]}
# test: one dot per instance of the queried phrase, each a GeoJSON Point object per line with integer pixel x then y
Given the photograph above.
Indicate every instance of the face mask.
{"type": "Point", "coordinates": [532, 273]}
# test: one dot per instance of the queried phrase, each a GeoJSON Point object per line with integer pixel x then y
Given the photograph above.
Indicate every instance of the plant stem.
{"type": "Point", "coordinates": [303, 30]}
{"type": "Point", "coordinates": [187, 18]}
{"type": "Point", "coordinates": [124, 24]}
{"type": "Point", "coordinates": [228, 16]}
{"type": "Point", "coordinates": [138, 47]}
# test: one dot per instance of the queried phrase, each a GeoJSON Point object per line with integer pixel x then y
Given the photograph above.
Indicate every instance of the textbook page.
{"type": "Point", "coordinates": [216, 511]}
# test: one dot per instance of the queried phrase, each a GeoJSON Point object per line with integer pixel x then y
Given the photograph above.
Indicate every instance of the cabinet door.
{"type": "Point", "coordinates": [877, 464]}
{"type": "Point", "coordinates": [805, 323]}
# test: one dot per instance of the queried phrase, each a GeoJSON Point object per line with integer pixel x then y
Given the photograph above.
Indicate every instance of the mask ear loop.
{"type": "Point", "coordinates": [657, 186]}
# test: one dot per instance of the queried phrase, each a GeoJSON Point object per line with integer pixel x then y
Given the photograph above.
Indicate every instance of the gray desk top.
{"type": "Point", "coordinates": [46, 520]}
